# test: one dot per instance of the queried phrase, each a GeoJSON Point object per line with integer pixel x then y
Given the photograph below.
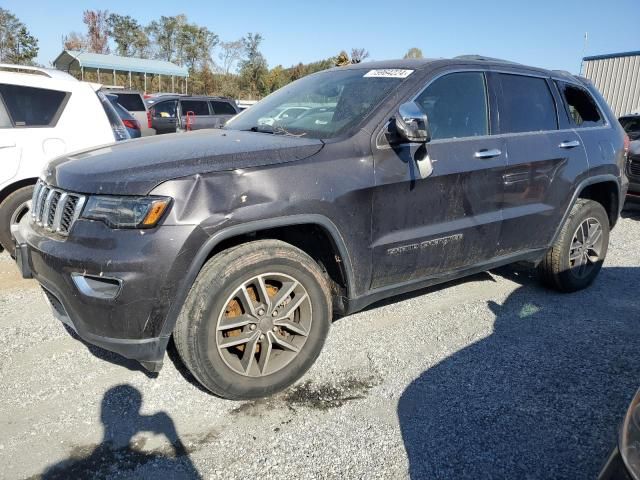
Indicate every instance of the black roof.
{"type": "Point", "coordinates": [419, 64]}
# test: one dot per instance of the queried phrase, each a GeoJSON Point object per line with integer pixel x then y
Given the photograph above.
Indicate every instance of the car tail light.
{"type": "Point", "coordinates": [627, 144]}
{"type": "Point", "coordinates": [131, 124]}
{"type": "Point", "coordinates": [149, 119]}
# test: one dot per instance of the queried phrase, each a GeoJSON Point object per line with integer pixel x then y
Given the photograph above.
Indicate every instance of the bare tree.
{"type": "Point", "coordinates": [358, 55]}
{"type": "Point", "coordinates": [230, 54]}
{"type": "Point", "coordinates": [97, 30]}
{"type": "Point", "coordinates": [75, 41]}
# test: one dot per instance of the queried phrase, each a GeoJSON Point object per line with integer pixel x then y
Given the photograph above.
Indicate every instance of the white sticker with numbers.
{"type": "Point", "coordinates": [388, 73]}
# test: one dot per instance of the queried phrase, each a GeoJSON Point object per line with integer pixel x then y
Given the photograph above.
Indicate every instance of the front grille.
{"type": "Point", "coordinates": [55, 303]}
{"type": "Point", "coordinates": [55, 209]}
{"type": "Point", "coordinates": [633, 166]}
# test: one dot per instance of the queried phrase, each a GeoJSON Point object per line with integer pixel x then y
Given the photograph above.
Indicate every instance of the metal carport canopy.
{"type": "Point", "coordinates": [69, 59]}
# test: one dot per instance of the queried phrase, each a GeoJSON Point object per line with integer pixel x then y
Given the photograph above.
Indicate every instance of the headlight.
{"type": "Point", "coordinates": [629, 442]}
{"type": "Point", "coordinates": [126, 212]}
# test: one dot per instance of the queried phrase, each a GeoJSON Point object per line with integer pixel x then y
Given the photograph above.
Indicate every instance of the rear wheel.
{"type": "Point", "coordinates": [255, 319]}
{"type": "Point", "coordinates": [12, 210]}
{"type": "Point", "coordinates": [575, 259]}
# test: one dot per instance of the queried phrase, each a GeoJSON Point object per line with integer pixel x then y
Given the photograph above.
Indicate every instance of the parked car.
{"type": "Point", "coordinates": [129, 121]}
{"type": "Point", "coordinates": [171, 113]}
{"type": "Point", "coordinates": [133, 102]}
{"type": "Point", "coordinates": [44, 113]}
{"type": "Point", "coordinates": [285, 115]}
{"type": "Point", "coordinates": [243, 242]}
{"type": "Point", "coordinates": [624, 461]}
{"type": "Point", "coordinates": [631, 125]}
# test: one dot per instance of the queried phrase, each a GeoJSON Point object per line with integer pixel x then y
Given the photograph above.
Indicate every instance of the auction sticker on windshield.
{"type": "Point", "coordinates": [388, 73]}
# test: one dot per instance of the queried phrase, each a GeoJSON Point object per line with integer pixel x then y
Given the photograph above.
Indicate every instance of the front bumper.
{"type": "Point", "coordinates": [114, 288]}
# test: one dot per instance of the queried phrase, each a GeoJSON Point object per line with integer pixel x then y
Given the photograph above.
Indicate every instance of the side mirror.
{"type": "Point", "coordinates": [412, 123]}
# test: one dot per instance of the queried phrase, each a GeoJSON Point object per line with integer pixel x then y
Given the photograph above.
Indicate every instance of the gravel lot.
{"type": "Point", "coordinates": [493, 377]}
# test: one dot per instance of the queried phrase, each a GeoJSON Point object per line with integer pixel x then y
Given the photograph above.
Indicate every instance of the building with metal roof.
{"type": "Point", "coordinates": [83, 62]}
{"type": "Point", "coordinates": [617, 76]}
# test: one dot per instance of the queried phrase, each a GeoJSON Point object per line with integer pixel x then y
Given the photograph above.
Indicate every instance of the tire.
{"type": "Point", "coordinates": [12, 209]}
{"type": "Point", "coordinates": [558, 269]}
{"type": "Point", "coordinates": [218, 299]}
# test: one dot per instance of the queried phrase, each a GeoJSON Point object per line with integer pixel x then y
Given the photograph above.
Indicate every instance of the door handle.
{"type": "Point", "coordinates": [7, 144]}
{"type": "Point", "coordinates": [484, 153]}
{"type": "Point", "coordinates": [570, 144]}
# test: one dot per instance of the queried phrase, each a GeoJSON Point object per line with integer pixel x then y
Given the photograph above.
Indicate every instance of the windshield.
{"type": "Point", "coordinates": [631, 125]}
{"type": "Point", "coordinates": [324, 105]}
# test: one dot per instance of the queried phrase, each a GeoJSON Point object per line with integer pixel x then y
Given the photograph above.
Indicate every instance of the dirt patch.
{"type": "Point", "coordinates": [316, 396]}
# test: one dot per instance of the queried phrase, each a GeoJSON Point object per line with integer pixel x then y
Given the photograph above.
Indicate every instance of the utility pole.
{"type": "Point", "coordinates": [584, 50]}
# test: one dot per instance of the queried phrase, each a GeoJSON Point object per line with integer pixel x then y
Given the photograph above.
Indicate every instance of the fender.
{"type": "Point", "coordinates": [581, 186]}
{"type": "Point", "coordinates": [203, 253]}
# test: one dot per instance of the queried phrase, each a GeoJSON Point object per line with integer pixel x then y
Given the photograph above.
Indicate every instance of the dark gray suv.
{"type": "Point", "coordinates": [172, 113]}
{"type": "Point", "coordinates": [244, 242]}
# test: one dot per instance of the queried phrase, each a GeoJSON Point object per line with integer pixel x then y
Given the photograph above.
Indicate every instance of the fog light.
{"type": "Point", "coordinates": [105, 288]}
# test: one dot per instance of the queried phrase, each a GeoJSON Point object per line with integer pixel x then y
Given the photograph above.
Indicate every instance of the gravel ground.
{"type": "Point", "coordinates": [492, 377]}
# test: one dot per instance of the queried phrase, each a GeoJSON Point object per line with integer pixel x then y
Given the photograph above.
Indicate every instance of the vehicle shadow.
{"type": "Point", "coordinates": [111, 357]}
{"type": "Point", "coordinates": [541, 397]}
{"type": "Point", "coordinates": [120, 453]}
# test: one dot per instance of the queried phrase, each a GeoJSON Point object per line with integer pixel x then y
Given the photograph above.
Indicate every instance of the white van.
{"type": "Point", "coordinates": [44, 113]}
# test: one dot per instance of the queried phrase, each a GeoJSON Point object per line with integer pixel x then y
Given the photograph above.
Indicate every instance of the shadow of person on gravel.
{"type": "Point", "coordinates": [120, 454]}
{"type": "Point", "coordinates": [542, 397]}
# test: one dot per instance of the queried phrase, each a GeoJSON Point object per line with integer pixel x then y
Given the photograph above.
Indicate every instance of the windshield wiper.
{"type": "Point", "coordinates": [261, 129]}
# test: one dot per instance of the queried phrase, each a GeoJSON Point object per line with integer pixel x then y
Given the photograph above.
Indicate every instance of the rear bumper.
{"type": "Point", "coordinates": [112, 287]}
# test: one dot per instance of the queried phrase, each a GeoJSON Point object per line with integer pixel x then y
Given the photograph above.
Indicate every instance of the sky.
{"type": "Point", "coordinates": [544, 33]}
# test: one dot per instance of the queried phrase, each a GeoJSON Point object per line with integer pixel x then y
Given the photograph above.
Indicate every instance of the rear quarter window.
{"type": "Point", "coordinates": [526, 105]}
{"type": "Point", "coordinates": [581, 107]}
{"type": "Point", "coordinates": [222, 108]}
{"type": "Point", "coordinates": [131, 101]}
{"type": "Point", "coordinates": [33, 107]}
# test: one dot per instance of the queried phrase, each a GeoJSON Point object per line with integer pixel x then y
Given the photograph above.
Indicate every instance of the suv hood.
{"type": "Point", "coordinates": [136, 167]}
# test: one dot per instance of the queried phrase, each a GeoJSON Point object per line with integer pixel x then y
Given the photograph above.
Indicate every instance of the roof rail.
{"type": "Point", "coordinates": [483, 59]}
{"type": "Point", "coordinates": [29, 70]}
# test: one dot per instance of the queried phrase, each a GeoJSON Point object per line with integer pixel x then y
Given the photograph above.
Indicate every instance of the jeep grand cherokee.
{"type": "Point", "coordinates": [244, 242]}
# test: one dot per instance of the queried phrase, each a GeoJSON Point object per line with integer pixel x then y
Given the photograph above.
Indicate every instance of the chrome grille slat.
{"type": "Point", "coordinates": [55, 210]}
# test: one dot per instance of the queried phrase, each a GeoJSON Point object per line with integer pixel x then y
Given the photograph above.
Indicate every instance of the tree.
{"type": "Point", "coordinates": [358, 55]}
{"type": "Point", "coordinates": [253, 69]}
{"type": "Point", "coordinates": [413, 53]}
{"type": "Point", "coordinates": [130, 38]}
{"type": "Point", "coordinates": [164, 34]}
{"type": "Point", "coordinates": [196, 43]}
{"type": "Point", "coordinates": [97, 30]}
{"type": "Point", "coordinates": [343, 59]}
{"type": "Point", "coordinates": [230, 54]}
{"type": "Point", "coordinates": [17, 45]}
{"type": "Point", "coordinates": [75, 41]}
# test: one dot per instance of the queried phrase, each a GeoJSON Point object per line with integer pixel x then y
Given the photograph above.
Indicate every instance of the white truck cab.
{"type": "Point", "coordinates": [44, 113]}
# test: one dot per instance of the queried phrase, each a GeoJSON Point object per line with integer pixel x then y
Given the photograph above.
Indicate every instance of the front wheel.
{"type": "Point", "coordinates": [576, 257]}
{"type": "Point", "coordinates": [255, 319]}
{"type": "Point", "coordinates": [12, 210]}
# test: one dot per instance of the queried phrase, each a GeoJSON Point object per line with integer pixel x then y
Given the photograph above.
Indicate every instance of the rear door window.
{"type": "Point", "coordinates": [526, 105]}
{"type": "Point", "coordinates": [131, 101]}
{"type": "Point", "coordinates": [198, 107]}
{"type": "Point", "coordinates": [33, 107]}
{"type": "Point", "coordinates": [456, 106]}
{"type": "Point", "coordinates": [222, 108]}
{"type": "Point", "coordinates": [581, 106]}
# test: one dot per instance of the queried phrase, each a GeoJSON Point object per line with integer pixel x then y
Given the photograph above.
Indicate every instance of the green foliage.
{"type": "Point", "coordinates": [130, 38]}
{"type": "Point", "coordinates": [413, 53]}
{"type": "Point", "coordinates": [17, 45]}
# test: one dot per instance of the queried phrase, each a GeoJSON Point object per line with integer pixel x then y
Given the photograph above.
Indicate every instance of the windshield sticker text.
{"type": "Point", "coordinates": [388, 73]}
